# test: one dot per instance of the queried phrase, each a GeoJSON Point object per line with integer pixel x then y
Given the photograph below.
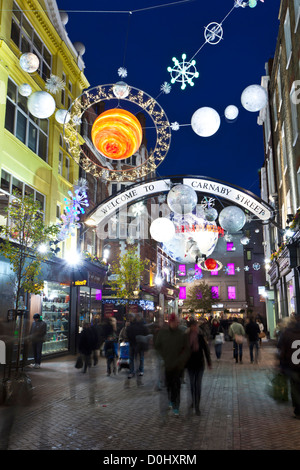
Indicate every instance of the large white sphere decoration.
{"type": "Point", "coordinates": [211, 214]}
{"type": "Point", "coordinates": [41, 104]}
{"type": "Point", "coordinates": [25, 89]}
{"type": "Point", "coordinates": [182, 199]}
{"type": "Point", "coordinates": [205, 121]}
{"type": "Point", "coordinates": [232, 219]}
{"type": "Point", "coordinates": [206, 238]}
{"type": "Point", "coordinates": [254, 98]}
{"type": "Point", "coordinates": [62, 116]}
{"type": "Point", "coordinates": [29, 62]}
{"type": "Point", "coordinates": [231, 112]}
{"type": "Point", "coordinates": [162, 229]}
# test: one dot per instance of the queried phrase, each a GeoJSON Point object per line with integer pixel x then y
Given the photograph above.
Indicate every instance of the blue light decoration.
{"type": "Point", "coordinates": [74, 208]}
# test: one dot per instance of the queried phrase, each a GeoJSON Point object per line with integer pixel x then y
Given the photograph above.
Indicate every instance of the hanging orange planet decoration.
{"type": "Point", "coordinates": [210, 264]}
{"type": "Point", "coordinates": [117, 134]}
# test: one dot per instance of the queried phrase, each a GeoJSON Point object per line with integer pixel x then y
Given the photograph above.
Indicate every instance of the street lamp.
{"type": "Point", "coordinates": [106, 252]}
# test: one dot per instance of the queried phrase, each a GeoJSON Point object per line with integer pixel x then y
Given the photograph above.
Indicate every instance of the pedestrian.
{"type": "Point", "coordinates": [123, 338]}
{"type": "Point", "coordinates": [38, 335]}
{"type": "Point", "coordinates": [172, 346]}
{"type": "Point", "coordinates": [196, 364]}
{"type": "Point", "coordinates": [237, 333]}
{"type": "Point", "coordinates": [136, 328]}
{"type": "Point", "coordinates": [86, 345]}
{"type": "Point", "coordinates": [289, 354]}
{"type": "Point", "coordinates": [261, 330]}
{"type": "Point", "coordinates": [217, 335]}
{"type": "Point", "coordinates": [252, 331]}
{"type": "Point", "coordinates": [110, 352]}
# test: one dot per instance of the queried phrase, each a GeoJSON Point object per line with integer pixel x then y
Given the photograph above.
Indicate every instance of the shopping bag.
{"type": "Point", "coordinates": [219, 338]}
{"type": "Point", "coordinates": [239, 339]}
{"type": "Point", "coordinates": [278, 387]}
{"type": "Point", "coordinates": [79, 362]}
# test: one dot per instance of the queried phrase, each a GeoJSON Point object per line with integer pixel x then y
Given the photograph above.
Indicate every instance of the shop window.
{"type": "Point", "coordinates": [229, 246]}
{"type": "Point", "coordinates": [215, 272]}
{"type": "Point", "coordinates": [215, 292]}
{"type": "Point", "coordinates": [182, 292]}
{"type": "Point", "coordinates": [230, 269]}
{"type": "Point", "coordinates": [55, 312]}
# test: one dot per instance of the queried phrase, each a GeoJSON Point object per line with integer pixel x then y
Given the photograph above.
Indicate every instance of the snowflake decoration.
{"type": "Point", "coordinates": [175, 126]}
{"type": "Point", "coordinates": [138, 208]}
{"type": "Point", "coordinates": [256, 266]}
{"type": "Point", "coordinates": [228, 237]}
{"type": "Point", "coordinates": [77, 121]}
{"type": "Point", "coordinates": [246, 268]}
{"type": "Point", "coordinates": [166, 88]}
{"type": "Point", "coordinates": [207, 202]}
{"type": "Point", "coordinates": [54, 84]}
{"type": "Point", "coordinates": [122, 72]}
{"type": "Point", "coordinates": [183, 72]}
{"type": "Point", "coordinates": [237, 269]}
{"type": "Point", "coordinates": [130, 241]}
{"type": "Point", "coordinates": [74, 207]}
{"type": "Point", "coordinates": [213, 33]}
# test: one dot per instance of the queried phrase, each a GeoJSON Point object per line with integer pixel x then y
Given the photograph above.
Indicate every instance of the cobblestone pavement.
{"type": "Point", "coordinates": [76, 411]}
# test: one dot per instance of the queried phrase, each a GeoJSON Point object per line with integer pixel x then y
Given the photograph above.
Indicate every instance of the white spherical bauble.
{"type": "Point", "coordinates": [121, 90]}
{"type": "Point", "coordinates": [254, 98]}
{"type": "Point", "coordinates": [25, 90]}
{"type": "Point", "coordinates": [231, 112]}
{"type": "Point", "coordinates": [206, 237]}
{"type": "Point", "coordinates": [162, 229]}
{"type": "Point", "coordinates": [41, 104]}
{"type": "Point", "coordinates": [182, 199]}
{"type": "Point", "coordinates": [232, 219]}
{"type": "Point", "coordinates": [205, 122]}
{"type": "Point", "coordinates": [62, 116]}
{"type": "Point", "coordinates": [211, 214]}
{"type": "Point", "coordinates": [29, 62]}
{"type": "Point", "coordinates": [245, 240]}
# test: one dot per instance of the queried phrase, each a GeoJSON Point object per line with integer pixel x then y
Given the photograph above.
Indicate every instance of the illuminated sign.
{"type": "Point", "coordinates": [81, 283]}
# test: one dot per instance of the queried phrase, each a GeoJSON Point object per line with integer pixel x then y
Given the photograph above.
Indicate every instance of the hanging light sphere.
{"type": "Point", "coordinates": [182, 199]}
{"type": "Point", "coordinates": [231, 112]}
{"type": "Point", "coordinates": [232, 219]}
{"type": "Point", "coordinates": [252, 3]}
{"type": "Point", "coordinates": [41, 104]}
{"type": "Point", "coordinates": [211, 214]}
{"type": "Point", "coordinates": [121, 90]}
{"type": "Point", "coordinates": [254, 98]}
{"type": "Point", "coordinates": [205, 122]}
{"type": "Point", "coordinates": [29, 62]}
{"type": "Point", "coordinates": [210, 264]}
{"type": "Point", "coordinates": [25, 89]}
{"type": "Point", "coordinates": [162, 229]}
{"type": "Point", "coordinates": [245, 240]}
{"type": "Point", "coordinates": [117, 134]}
{"type": "Point", "coordinates": [62, 116]}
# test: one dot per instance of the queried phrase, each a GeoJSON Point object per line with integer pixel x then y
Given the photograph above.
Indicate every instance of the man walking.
{"type": "Point", "coordinates": [38, 332]}
{"type": "Point", "coordinates": [252, 330]}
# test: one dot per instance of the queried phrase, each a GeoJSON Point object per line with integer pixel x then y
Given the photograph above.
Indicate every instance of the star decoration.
{"type": "Point", "coordinates": [166, 88]}
{"type": "Point", "coordinates": [175, 126]}
{"type": "Point", "coordinates": [122, 72]}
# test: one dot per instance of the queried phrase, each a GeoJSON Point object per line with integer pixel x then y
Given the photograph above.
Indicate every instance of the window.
{"type": "Point", "coordinates": [297, 13]}
{"type": "Point", "coordinates": [215, 292]}
{"type": "Point", "coordinates": [294, 114]}
{"type": "Point", "coordinates": [215, 272]}
{"type": "Point", "coordinates": [181, 270]}
{"type": "Point", "coordinates": [58, 211]}
{"type": "Point", "coordinates": [251, 301]}
{"type": "Point", "coordinates": [249, 255]}
{"type": "Point", "coordinates": [231, 292]}
{"type": "Point", "coordinates": [279, 163]}
{"type": "Point", "coordinates": [182, 292]}
{"type": "Point", "coordinates": [275, 116]}
{"type": "Point", "coordinates": [230, 269]}
{"type": "Point", "coordinates": [287, 37]}
{"type": "Point", "coordinates": [279, 87]}
{"type": "Point", "coordinates": [67, 172]}
{"type": "Point", "coordinates": [250, 278]}
{"type": "Point", "coordinates": [9, 184]}
{"type": "Point", "coordinates": [60, 162]}
{"type": "Point", "coordinates": [229, 246]}
{"type": "Point", "coordinates": [27, 40]}
{"type": "Point", "coordinates": [284, 153]}
{"type": "Point", "coordinates": [33, 132]}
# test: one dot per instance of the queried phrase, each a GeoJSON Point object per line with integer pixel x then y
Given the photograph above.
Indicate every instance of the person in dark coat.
{"type": "Point", "coordinates": [38, 334]}
{"type": "Point", "coordinates": [86, 345]}
{"type": "Point", "coordinates": [136, 328]}
{"type": "Point", "coordinates": [289, 356]}
{"type": "Point", "coordinates": [252, 331]}
{"type": "Point", "coordinates": [171, 344]}
{"type": "Point", "coordinates": [199, 352]}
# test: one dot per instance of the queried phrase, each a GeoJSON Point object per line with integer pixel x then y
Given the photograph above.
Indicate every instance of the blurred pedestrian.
{"type": "Point", "coordinates": [196, 364]}
{"type": "Point", "coordinates": [289, 354]}
{"type": "Point", "coordinates": [237, 333]}
{"type": "Point", "coordinates": [172, 346]}
{"type": "Point", "coordinates": [252, 331]}
{"type": "Point", "coordinates": [137, 348]}
{"type": "Point", "coordinates": [38, 335]}
{"type": "Point", "coordinates": [218, 337]}
{"type": "Point", "coordinates": [123, 337]}
{"type": "Point", "coordinates": [110, 352]}
{"type": "Point", "coordinates": [86, 345]}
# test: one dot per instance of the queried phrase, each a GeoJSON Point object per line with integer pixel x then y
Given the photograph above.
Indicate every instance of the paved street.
{"type": "Point", "coordinates": [76, 411]}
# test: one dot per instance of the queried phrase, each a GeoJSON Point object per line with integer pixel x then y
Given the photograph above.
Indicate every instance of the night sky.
{"type": "Point", "coordinates": [145, 41]}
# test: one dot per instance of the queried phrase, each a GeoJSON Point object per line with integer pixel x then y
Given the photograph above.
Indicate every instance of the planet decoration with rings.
{"type": "Point", "coordinates": [117, 134]}
{"type": "Point", "coordinates": [105, 165]}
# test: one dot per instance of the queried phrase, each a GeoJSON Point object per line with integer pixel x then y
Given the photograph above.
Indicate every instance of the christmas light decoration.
{"type": "Point", "coordinates": [74, 208]}
{"type": "Point", "coordinates": [54, 84]}
{"type": "Point", "coordinates": [29, 62]}
{"type": "Point", "coordinates": [41, 104]}
{"type": "Point", "coordinates": [183, 71]}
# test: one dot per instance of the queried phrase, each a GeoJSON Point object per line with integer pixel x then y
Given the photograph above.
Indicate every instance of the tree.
{"type": "Point", "coordinates": [22, 237]}
{"type": "Point", "coordinates": [128, 274]}
{"type": "Point", "coordinates": [200, 297]}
